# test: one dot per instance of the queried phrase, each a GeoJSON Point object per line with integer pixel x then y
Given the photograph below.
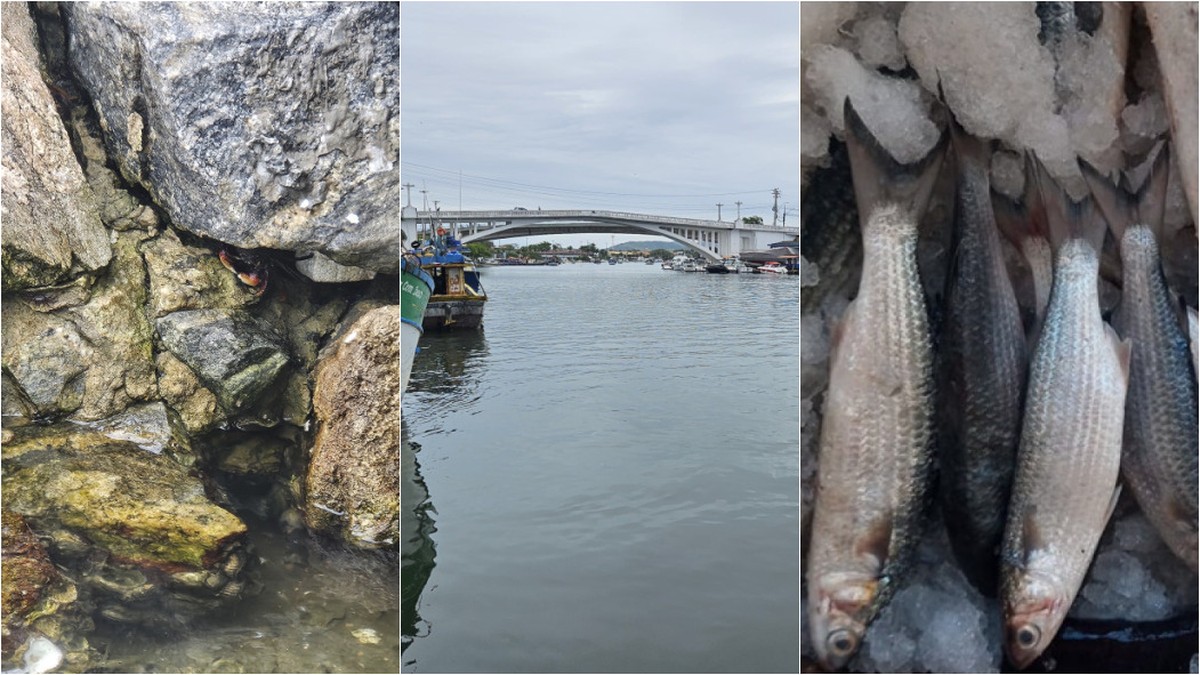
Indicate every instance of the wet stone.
{"type": "Point", "coordinates": [130, 505]}
{"type": "Point", "coordinates": [236, 356]}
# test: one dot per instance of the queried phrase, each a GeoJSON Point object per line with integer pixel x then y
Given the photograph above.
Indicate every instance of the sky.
{"type": "Point", "coordinates": [665, 108]}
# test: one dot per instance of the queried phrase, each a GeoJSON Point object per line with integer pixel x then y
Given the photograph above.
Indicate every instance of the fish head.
{"type": "Point", "coordinates": [1032, 618]}
{"type": "Point", "coordinates": [839, 616]}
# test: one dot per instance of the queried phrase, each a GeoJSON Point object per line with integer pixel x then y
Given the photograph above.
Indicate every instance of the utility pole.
{"type": "Point", "coordinates": [739, 213]}
{"type": "Point", "coordinates": [424, 198]}
{"type": "Point", "coordinates": [408, 187]}
{"type": "Point", "coordinates": [785, 214]}
{"type": "Point", "coordinates": [775, 208]}
{"type": "Point", "coordinates": [719, 212]}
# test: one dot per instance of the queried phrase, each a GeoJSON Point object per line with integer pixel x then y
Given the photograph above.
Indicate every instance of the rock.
{"type": "Point", "coordinates": [190, 277]}
{"type": "Point", "coordinates": [353, 476]}
{"type": "Point", "coordinates": [276, 129]}
{"type": "Point", "coordinates": [320, 268]}
{"type": "Point", "coordinates": [38, 601]}
{"type": "Point", "coordinates": [146, 426]}
{"type": "Point", "coordinates": [253, 455]}
{"type": "Point", "coordinates": [129, 525]}
{"type": "Point", "coordinates": [89, 360]}
{"type": "Point", "coordinates": [52, 229]}
{"type": "Point", "coordinates": [236, 356]}
{"type": "Point", "coordinates": [179, 387]}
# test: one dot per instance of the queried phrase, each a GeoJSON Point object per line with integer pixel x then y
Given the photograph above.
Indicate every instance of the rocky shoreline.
{"type": "Point", "coordinates": [200, 236]}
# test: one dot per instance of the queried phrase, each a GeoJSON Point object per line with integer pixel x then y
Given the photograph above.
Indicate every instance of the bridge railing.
{"type": "Point", "coordinates": [476, 216]}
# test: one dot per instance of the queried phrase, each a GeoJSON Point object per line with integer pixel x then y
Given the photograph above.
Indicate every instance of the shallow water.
{"type": "Point", "coordinates": [612, 477]}
{"type": "Point", "coordinates": [318, 611]}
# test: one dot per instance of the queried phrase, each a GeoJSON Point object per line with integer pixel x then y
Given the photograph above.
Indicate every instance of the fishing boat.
{"type": "Point", "coordinates": [458, 297]}
{"type": "Point", "coordinates": [415, 288]}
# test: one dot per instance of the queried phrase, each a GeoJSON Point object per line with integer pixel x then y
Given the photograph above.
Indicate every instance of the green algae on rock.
{"type": "Point", "coordinates": [141, 508]}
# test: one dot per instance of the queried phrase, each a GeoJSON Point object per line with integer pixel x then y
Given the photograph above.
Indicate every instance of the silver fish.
{"type": "Point", "coordinates": [1024, 224]}
{"type": "Point", "coordinates": [1070, 451]}
{"type": "Point", "coordinates": [1159, 461]}
{"type": "Point", "coordinates": [875, 457]}
{"type": "Point", "coordinates": [983, 362]}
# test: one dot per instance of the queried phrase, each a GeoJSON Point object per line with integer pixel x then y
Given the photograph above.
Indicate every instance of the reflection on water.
{"type": "Point", "coordinates": [614, 462]}
{"type": "Point", "coordinates": [417, 550]}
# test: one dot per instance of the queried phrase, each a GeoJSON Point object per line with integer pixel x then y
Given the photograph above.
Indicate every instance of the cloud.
{"type": "Point", "coordinates": [577, 99]}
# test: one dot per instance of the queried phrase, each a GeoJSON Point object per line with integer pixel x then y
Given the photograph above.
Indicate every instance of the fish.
{"type": "Point", "coordinates": [1065, 485]}
{"type": "Point", "coordinates": [982, 364]}
{"type": "Point", "coordinates": [1159, 460]}
{"type": "Point", "coordinates": [1173, 26]}
{"type": "Point", "coordinates": [829, 236]}
{"type": "Point", "coordinates": [1193, 335]}
{"type": "Point", "coordinates": [1024, 224]}
{"type": "Point", "coordinates": [875, 461]}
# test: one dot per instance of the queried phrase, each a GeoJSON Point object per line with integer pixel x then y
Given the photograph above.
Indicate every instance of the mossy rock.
{"type": "Point", "coordinates": [143, 509]}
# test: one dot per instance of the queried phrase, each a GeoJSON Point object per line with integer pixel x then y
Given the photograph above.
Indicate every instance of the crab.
{"type": "Point", "coordinates": [249, 268]}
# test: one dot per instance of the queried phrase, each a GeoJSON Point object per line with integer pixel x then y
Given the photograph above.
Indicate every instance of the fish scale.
{"type": "Point", "coordinates": [1160, 462]}
{"type": "Point", "coordinates": [983, 363]}
{"type": "Point", "coordinates": [1069, 455]}
{"type": "Point", "coordinates": [875, 462]}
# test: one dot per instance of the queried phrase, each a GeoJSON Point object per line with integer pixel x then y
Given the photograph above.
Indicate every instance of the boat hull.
{"type": "Point", "coordinates": [449, 313]}
{"type": "Point", "coordinates": [415, 288]}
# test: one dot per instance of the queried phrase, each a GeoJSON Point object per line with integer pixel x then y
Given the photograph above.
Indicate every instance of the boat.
{"type": "Point", "coordinates": [612, 261]}
{"type": "Point", "coordinates": [458, 297]}
{"type": "Point", "coordinates": [783, 252]}
{"type": "Point", "coordinates": [773, 267]}
{"type": "Point", "coordinates": [725, 266]}
{"type": "Point", "coordinates": [415, 288]}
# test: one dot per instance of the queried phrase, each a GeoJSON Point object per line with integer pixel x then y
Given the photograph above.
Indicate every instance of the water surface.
{"type": "Point", "coordinates": [612, 476]}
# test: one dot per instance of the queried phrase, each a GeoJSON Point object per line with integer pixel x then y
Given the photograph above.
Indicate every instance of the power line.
{"type": "Point", "coordinates": [497, 182]}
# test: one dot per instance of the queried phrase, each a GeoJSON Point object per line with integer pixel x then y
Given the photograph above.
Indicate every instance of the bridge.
{"type": "Point", "coordinates": [713, 239]}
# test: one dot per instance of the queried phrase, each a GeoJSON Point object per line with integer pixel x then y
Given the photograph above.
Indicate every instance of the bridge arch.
{"type": "Point", "coordinates": [522, 230]}
{"type": "Point", "coordinates": [712, 239]}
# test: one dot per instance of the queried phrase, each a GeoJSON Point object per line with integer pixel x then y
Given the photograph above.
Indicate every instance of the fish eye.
{"type": "Point", "coordinates": [841, 642]}
{"type": "Point", "coordinates": [1028, 635]}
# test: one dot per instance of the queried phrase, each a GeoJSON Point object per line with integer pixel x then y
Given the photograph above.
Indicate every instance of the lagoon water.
{"type": "Point", "coordinates": [605, 479]}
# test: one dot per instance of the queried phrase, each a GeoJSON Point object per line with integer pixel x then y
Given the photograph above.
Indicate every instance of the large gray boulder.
{"type": "Point", "coordinates": [258, 125]}
{"type": "Point", "coordinates": [52, 229]}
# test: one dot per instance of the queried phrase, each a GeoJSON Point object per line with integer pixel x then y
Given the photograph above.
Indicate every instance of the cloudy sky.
{"type": "Point", "coordinates": [656, 107]}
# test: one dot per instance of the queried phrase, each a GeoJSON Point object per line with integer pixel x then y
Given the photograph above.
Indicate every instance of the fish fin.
{"type": "Point", "coordinates": [1112, 503]}
{"type": "Point", "coordinates": [880, 179]}
{"type": "Point", "coordinates": [1151, 198]}
{"type": "Point", "coordinates": [1035, 205]}
{"type": "Point", "coordinates": [1011, 217]}
{"type": "Point", "coordinates": [837, 332]}
{"type": "Point", "coordinates": [877, 541]}
{"type": "Point", "coordinates": [1114, 202]}
{"type": "Point", "coordinates": [1067, 219]}
{"type": "Point", "coordinates": [1122, 348]}
{"type": "Point", "coordinates": [969, 149]}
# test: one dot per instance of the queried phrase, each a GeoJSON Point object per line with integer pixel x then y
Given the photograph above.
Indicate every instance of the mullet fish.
{"type": "Point", "coordinates": [1070, 451]}
{"type": "Point", "coordinates": [983, 362]}
{"type": "Point", "coordinates": [875, 459]}
{"type": "Point", "coordinates": [1024, 224]}
{"type": "Point", "coordinates": [1159, 462]}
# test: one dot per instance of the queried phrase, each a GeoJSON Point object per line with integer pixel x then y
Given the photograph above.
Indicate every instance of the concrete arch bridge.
{"type": "Point", "coordinates": [713, 239]}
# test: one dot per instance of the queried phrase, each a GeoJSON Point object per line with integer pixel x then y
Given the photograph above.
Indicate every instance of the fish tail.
{"type": "Point", "coordinates": [1011, 217]}
{"type": "Point", "coordinates": [968, 149]}
{"type": "Point", "coordinates": [1121, 205]}
{"type": "Point", "coordinates": [879, 178]}
{"type": "Point", "coordinates": [1065, 218]}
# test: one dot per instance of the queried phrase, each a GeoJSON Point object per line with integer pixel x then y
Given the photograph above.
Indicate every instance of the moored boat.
{"type": "Point", "coordinates": [458, 297]}
{"type": "Point", "coordinates": [773, 268]}
{"type": "Point", "coordinates": [415, 288]}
